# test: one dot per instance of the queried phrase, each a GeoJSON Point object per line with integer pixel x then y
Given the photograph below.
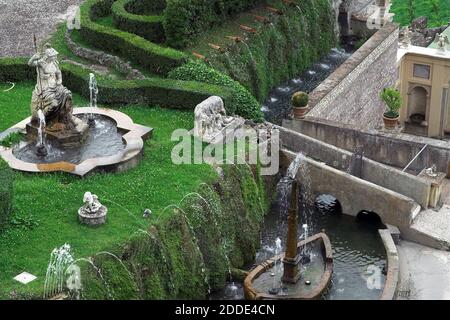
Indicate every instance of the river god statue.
{"type": "Point", "coordinates": [55, 102]}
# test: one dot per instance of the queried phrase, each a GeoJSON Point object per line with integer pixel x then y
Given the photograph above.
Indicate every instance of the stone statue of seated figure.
{"type": "Point", "coordinates": [53, 98]}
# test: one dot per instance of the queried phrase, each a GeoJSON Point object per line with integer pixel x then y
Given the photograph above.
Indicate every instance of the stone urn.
{"type": "Point", "coordinates": [300, 104]}
{"type": "Point", "coordinates": [92, 213]}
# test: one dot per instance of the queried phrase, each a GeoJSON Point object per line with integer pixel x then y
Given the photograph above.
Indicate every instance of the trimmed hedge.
{"type": "Point", "coordinates": [15, 69]}
{"type": "Point", "coordinates": [153, 91]}
{"type": "Point", "coordinates": [150, 56]}
{"type": "Point", "coordinates": [149, 27]}
{"type": "Point", "coordinates": [6, 193]}
{"type": "Point", "coordinates": [146, 7]}
{"type": "Point", "coordinates": [167, 93]}
{"type": "Point", "coordinates": [187, 19]}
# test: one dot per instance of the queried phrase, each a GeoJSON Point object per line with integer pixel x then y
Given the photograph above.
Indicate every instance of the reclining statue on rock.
{"type": "Point", "coordinates": [50, 95]}
{"type": "Point", "coordinates": [210, 117]}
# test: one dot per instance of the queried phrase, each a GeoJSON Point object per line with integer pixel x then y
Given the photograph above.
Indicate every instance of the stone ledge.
{"type": "Point", "coordinates": [393, 266]}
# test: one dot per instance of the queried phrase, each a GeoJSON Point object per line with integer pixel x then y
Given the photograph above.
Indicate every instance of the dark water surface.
{"type": "Point", "coordinates": [103, 140]}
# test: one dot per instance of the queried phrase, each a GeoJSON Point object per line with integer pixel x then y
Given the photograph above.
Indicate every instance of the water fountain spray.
{"type": "Point", "coordinates": [41, 149]}
{"type": "Point", "coordinates": [93, 92]}
{"type": "Point", "coordinates": [60, 259]}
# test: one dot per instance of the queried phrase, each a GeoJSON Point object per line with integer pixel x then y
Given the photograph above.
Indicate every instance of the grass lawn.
{"type": "Point", "coordinates": [45, 205]}
{"type": "Point", "coordinates": [421, 8]}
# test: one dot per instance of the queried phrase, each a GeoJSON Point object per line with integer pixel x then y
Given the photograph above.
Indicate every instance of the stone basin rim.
{"type": "Point", "coordinates": [252, 294]}
{"type": "Point", "coordinates": [133, 139]}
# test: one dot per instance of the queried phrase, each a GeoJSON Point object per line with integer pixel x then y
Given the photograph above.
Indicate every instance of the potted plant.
{"type": "Point", "coordinates": [393, 101]}
{"type": "Point", "coordinates": [300, 104]}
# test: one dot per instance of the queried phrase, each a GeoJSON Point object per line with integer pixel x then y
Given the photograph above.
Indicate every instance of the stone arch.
{"type": "Point", "coordinates": [418, 104]}
{"type": "Point", "coordinates": [327, 203]}
{"type": "Point", "coordinates": [370, 217]}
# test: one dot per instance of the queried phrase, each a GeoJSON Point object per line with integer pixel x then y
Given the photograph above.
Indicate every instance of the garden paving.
{"type": "Point", "coordinates": [20, 19]}
{"type": "Point", "coordinates": [424, 272]}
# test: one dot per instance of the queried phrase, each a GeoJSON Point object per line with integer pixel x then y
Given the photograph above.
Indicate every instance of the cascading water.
{"type": "Point", "coordinates": [278, 104]}
{"type": "Point", "coordinates": [60, 259]}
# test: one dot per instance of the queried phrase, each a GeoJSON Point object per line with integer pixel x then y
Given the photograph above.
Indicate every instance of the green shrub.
{"type": "Point", "coordinates": [145, 7]}
{"type": "Point", "coordinates": [393, 100]}
{"type": "Point", "coordinates": [11, 139]}
{"type": "Point", "coordinates": [6, 193]}
{"type": "Point", "coordinates": [149, 27]}
{"type": "Point", "coordinates": [166, 93]}
{"type": "Point", "coordinates": [150, 56]}
{"type": "Point", "coordinates": [15, 69]}
{"type": "Point", "coordinates": [241, 102]}
{"type": "Point", "coordinates": [300, 99]}
{"type": "Point", "coordinates": [187, 19]}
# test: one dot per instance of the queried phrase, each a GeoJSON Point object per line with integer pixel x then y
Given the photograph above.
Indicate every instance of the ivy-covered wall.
{"type": "Point", "coordinates": [191, 248]}
{"type": "Point", "coordinates": [184, 20]}
{"type": "Point", "coordinates": [282, 49]}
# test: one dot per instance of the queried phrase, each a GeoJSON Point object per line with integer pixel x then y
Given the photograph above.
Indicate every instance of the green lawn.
{"type": "Point", "coordinates": [438, 17]}
{"type": "Point", "coordinates": [45, 205]}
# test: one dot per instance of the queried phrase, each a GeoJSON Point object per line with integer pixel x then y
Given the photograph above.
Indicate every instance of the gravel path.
{"type": "Point", "coordinates": [19, 19]}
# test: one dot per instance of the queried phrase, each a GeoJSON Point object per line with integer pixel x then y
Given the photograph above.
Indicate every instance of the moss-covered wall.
{"type": "Point", "coordinates": [190, 249]}
{"type": "Point", "coordinates": [6, 193]}
{"type": "Point", "coordinates": [280, 49]}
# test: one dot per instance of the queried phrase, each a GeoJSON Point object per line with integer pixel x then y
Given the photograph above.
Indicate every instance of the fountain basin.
{"type": "Point", "coordinates": [258, 281]}
{"type": "Point", "coordinates": [132, 137]}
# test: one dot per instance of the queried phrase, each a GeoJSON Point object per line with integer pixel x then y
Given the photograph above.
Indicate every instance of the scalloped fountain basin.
{"type": "Point", "coordinates": [115, 143]}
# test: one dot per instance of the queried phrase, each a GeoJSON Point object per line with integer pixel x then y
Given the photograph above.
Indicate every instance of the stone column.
{"type": "Point", "coordinates": [291, 258]}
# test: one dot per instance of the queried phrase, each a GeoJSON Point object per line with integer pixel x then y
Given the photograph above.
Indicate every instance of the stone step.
{"type": "Point", "coordinates": [431, 228]}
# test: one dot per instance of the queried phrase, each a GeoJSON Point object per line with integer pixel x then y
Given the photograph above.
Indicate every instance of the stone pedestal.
{"type": "Point", "coordinates": [436, 187]}
{"type": "Point", "coordinates": [68, 138]}
{"type": "Point", "coordinates": [94, 219]}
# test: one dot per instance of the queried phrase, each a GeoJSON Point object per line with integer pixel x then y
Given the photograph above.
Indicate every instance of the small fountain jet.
{"type": "Point", "coordinates": [93, 92]}
{"type": "Point", "coordinates": [262, 19]}
{"type": "Point", "coordinates": [290, 3]}
{"type": "Point", "coordinates": [199, 56]}
{"type": "Point", "coordinates": [41, 149]}
{"type": "Point", "coordinates": [275, 10]}
{"type": "Point", "coordinates": [248, 29]}
{"type": "Point", "coordinates": [235, 39]}
{"type": "Point", "coordinates": [217, 47]}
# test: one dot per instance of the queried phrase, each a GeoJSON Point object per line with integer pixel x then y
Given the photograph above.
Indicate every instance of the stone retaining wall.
{"type": "Point", "coordinates": [372, 171]}
{"type": "Point", "coordinates": [393, 149]}
{"type": "Point", "coordinates": [356, 195]}
{"type": "Point", "coordinates": [351, 94]}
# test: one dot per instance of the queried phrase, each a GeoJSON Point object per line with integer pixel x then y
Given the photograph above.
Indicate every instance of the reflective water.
{"type": "Point", "coordinates": [278, 105]}
{"type": "Point", "coordinates": [358, 252]}
{"type": "Point", "coordinates": [103, 140]}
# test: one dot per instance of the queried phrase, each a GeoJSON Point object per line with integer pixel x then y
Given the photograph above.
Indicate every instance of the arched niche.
{"type": "Point", "coordinates": [418, 104]}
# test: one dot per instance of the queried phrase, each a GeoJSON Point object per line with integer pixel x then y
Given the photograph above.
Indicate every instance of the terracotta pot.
{"type": "Point", "coordinates": [390, 123]}
{"type": "Point", "coordinates": [299, 113]}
